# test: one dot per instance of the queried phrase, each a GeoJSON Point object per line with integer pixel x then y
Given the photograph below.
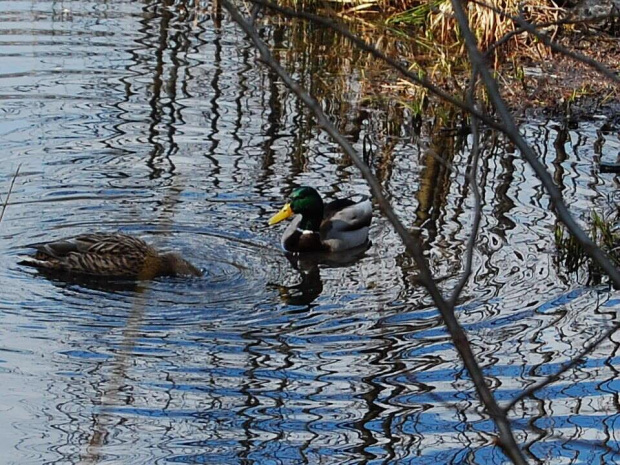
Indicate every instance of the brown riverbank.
{"type": "Point", "coordinates": [559, 84]}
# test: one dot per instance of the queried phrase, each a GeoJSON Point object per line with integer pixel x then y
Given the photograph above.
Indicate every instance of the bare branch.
{"type": "Point", "coordinates": [471, 175]}
{"type": "Point", "coordinates": [521, 30]}
{"type": "Point", "coordinates": [584, 444]}
{"type": "Point", "coordinates": [510, 128]}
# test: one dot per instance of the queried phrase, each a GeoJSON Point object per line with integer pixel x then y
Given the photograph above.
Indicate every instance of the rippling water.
{"type": "Point", "coordinates": [158, 121]}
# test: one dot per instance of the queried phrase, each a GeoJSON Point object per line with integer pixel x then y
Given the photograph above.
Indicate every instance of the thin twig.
{"type": "Point", "coordinates": [413, 245]}
{"type": "Point", "coordinates": [553, 378]}
{"type": "Point", "coordinates": [583, 444]}
{"type": "Point", "coordinates": [471, 175]}
{"type": "Point", "coordinates": [8, 194]}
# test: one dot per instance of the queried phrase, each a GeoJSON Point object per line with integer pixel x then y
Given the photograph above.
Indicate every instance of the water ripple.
{"type": "Point", "coordinates": [156, 121]}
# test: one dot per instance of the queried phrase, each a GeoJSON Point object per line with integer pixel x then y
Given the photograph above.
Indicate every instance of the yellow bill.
{"type": "Point", "coordinates": [283, 214]}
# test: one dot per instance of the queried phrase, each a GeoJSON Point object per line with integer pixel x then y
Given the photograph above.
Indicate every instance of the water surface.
{"type": "Point", "coordinates": [159, 121]}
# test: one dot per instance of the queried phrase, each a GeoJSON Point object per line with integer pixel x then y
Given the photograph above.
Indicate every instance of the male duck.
{"type": "Point", "coordinates": [340, 225]}
{"type": "Point", "coordinates": [108, 255]}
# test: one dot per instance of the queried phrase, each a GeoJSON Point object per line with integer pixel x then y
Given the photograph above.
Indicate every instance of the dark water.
{"type": "Point", "coordinates": [158, 121]}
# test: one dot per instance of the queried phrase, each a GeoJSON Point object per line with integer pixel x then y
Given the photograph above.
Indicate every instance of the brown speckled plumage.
{"type": "Point", "coordinates": [112, 255]}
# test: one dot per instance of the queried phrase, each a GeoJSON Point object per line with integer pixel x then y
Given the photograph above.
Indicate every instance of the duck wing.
{"type": "Point", "coordinates": [345, 224]}
{"type": "Point", "coordinates": [347, 215]}
{"type": "Point", "coordinates": [96, 254]}
{"type": "Point", "coordinates": [97, 244]}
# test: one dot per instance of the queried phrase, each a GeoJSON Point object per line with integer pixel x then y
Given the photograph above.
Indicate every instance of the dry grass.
{"type": "Point", "coordinates": [486, 21]}
{"type": "Point", "coordinates": [431, 23]}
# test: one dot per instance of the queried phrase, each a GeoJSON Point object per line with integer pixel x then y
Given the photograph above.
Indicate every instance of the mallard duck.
{"type": "Point", "coordinates": [340, 225]}
{"type": "Point", "coordinates": [108, 255]}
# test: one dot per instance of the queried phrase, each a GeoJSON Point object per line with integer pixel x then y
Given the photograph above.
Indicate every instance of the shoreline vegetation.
{"type": "Point", "coordinates": [425, 36]}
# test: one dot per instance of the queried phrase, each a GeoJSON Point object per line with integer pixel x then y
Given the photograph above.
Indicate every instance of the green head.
{"type": "Point", "coordinates": [304, 201]}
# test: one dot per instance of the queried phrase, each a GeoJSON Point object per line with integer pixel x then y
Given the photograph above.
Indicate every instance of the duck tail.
{"type": "Point", "coordinates": [359, 198]}
{"type": "Point", "coordinates": [38, 261]}
{"type": "Point", "coordinates": [27, 260]}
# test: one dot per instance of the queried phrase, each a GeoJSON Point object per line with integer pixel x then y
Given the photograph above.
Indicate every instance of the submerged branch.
{"type": "Point", "coordinates": [530, 391]}
{"type": "Point", "coordinates": [8, 195]}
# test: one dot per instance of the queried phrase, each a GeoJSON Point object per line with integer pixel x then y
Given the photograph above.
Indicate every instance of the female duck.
{"type": "Point", "coordinates": [108, 255]}
{"type": "Point", "coordinates": [340, 225]}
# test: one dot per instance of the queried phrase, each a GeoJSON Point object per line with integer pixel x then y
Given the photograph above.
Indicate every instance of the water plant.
{"type": "Point", "coordinates": [571, 255]}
